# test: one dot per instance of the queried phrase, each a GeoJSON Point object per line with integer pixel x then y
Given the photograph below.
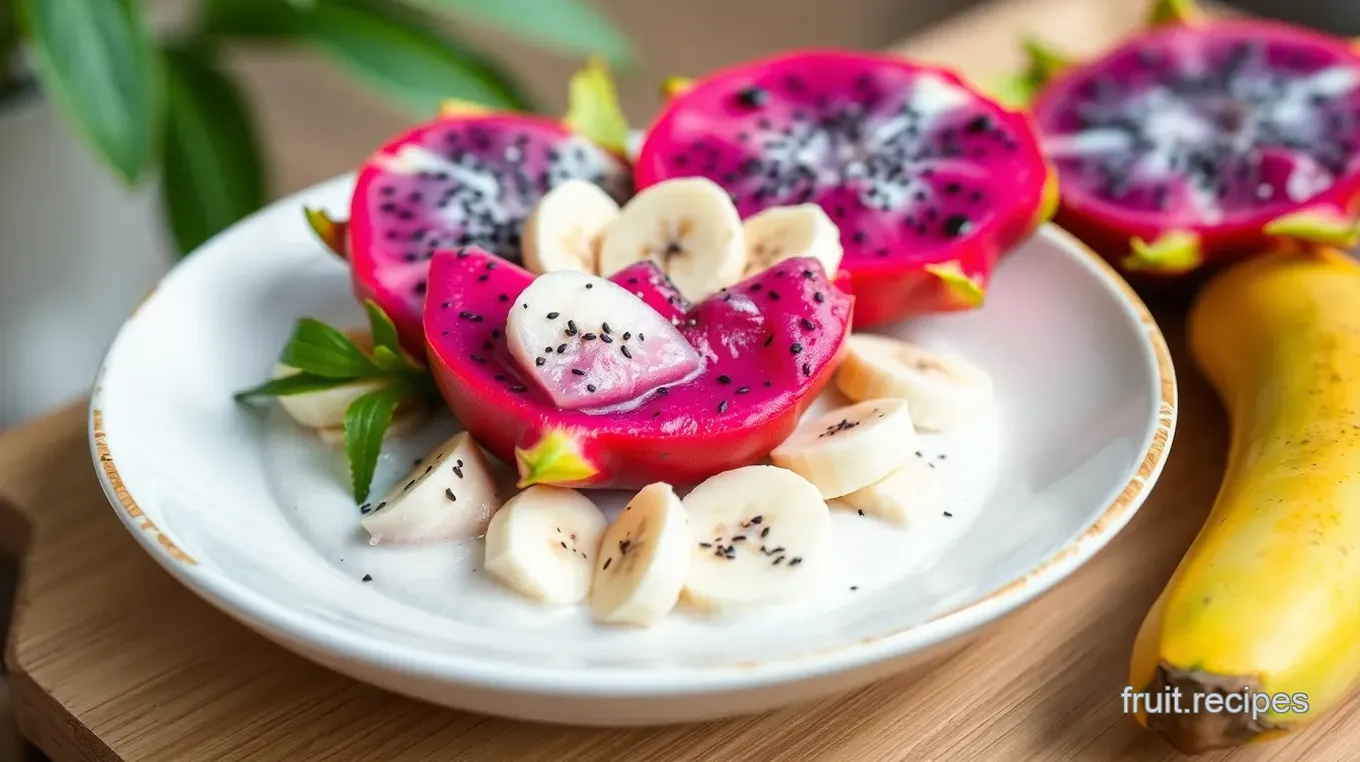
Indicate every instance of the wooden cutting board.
{"type": "Point", "coordinates": [113, 660]}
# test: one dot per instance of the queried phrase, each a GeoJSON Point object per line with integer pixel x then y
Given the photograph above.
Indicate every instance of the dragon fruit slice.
{"type": "Point", "coordinates": [928, 181]}
{"type": "Point", "coordinates": [470, 176]}
{"type": "Point", "coordinates": [1200, 140]}
{"type": "Point", "coordinates": [768, 345]}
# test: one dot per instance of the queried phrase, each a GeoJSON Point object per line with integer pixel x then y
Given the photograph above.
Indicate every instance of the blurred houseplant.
{"type": "Point", "coordinates": [144, 104]}
{"type": "Point", "coordinates": [119, 119]}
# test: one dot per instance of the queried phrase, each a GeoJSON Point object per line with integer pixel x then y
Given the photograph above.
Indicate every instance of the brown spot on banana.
{"type": "Point", "coordinates": [1192, 728]}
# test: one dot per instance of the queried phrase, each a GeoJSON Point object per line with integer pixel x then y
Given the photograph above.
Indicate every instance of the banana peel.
{"type": "Point", "coordinates": [1267, 599]}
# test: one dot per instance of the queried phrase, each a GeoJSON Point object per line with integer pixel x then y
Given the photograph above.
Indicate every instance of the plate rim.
{"type": "Point", "coordinates": [296, 630]}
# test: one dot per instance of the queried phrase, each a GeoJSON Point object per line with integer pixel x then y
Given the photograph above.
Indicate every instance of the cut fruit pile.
{"type": "Point", "coordinates": [672, 338]}
{"type": "Point", "coordinates": [740, 540]}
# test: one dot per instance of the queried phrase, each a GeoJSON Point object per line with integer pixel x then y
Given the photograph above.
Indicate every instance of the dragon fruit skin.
{"type": "Point", "coordinates": [1197, 142]}
{"type": "Point", "coordinates": [766, 359]}
{"type": "Point", "coordinates": [929, 182]}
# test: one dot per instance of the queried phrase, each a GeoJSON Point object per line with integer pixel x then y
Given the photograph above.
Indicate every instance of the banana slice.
{"type": "Point", "coordinates": [762, 535]}
{"type": "Point", "coordinates": [450, 495]}
{"type": "Point", "coordinates": [543, 542]}
{"type": "Point", "coordinates": [565, 228]}
{"type": "Point", "coordinates": [325, 408]}
{"type": "Point", "coordinates": [687, 226]}
{"type": "Point", "coordinates": [851, 447]}
{"type": "Point", "coordinates": [642, 561]}
{"type": "Point", "coordinates": [943, 391]}
{"type": "Point", "coordinates": [911, 496]}
{"type": "Point", "coordinates": [783, 232]}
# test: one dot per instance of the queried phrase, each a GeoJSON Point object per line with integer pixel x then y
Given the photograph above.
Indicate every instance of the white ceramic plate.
{"type": "Point", "coordinates": [253, 514]}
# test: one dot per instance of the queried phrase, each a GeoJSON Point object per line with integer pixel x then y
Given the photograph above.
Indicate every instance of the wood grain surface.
{"type": "Point", "coordinates": [113, 660]}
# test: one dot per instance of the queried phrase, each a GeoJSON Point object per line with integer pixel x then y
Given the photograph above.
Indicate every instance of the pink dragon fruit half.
{"type": "Point", "coordinates": [928, 181]}
{"type": "Point", "coordinates": [1198, 141]}
{"type": "Point", "coordinates": [469, 177]}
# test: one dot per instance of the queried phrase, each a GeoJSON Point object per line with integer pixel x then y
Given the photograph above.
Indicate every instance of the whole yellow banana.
{"type": "Point", "coordinates": [1267, 599]}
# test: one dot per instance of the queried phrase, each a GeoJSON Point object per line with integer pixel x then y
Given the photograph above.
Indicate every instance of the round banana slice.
{"type": "Point", "coordinates": [565, 229]}
{"type": "Point", "coordinates": [851, 447]}
{"type": "Point", "coordinates": [761, 535]}
{"type": "Point", "coordinates": [642, 561]}
{"type": "Point", "coordinates": [543, 544]}
{"type": "Point", "coordinates": [689, 227]}
{"type": "Point", "coordinates": [912, 496]}
{"type": "Point", "coordinates": [944, 391]}
{"type": "Point", "coordinates": [784, 232]}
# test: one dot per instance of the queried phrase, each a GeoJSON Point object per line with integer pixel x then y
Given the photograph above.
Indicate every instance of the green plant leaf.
{"type": "Point", "coordinates": [402, 54]}
{"type": "Point", "coordinates": [252, 19]}
{"type": "Point", "coordinates": [382, 329]}
{"type": "Point", "coordinates": [568, 26]}
{"type": "Point", "coordinates": [9, 43]}
{"type": "Point", "coordinates": [387, 359]}
{"type": "Point", "coordinates": [366, 421]}
{"type": "Point", "coordinates": [297, 383]}
{"type": "Point", "coordinates": [96, 61]}
{"type": "Point", "coordinates": [318, 348]}
{"type": "Point", "coordinates": [212, 163]}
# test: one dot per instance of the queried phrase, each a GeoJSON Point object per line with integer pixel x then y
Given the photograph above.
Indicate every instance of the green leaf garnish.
{"type": "Point", "coordinates": [387, 359]}
{"type": "Point", "coordinates": [318, 348]}
{"type": "Point", "coordinates": [327, 358]}
{"type": "Point", "coordinates": [383, 330]}
{"type": "Point", "coordinates": [366, 421]}
{"type": "Point", "coordinates": [298, 383]}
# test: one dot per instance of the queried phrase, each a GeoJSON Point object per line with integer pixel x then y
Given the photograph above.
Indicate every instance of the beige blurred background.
{"type": "Point", "coordinates": [299, 98]}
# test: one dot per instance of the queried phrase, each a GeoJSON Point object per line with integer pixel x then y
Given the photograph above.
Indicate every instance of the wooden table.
{"type": "Point", "coordinates": [113, 660]}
